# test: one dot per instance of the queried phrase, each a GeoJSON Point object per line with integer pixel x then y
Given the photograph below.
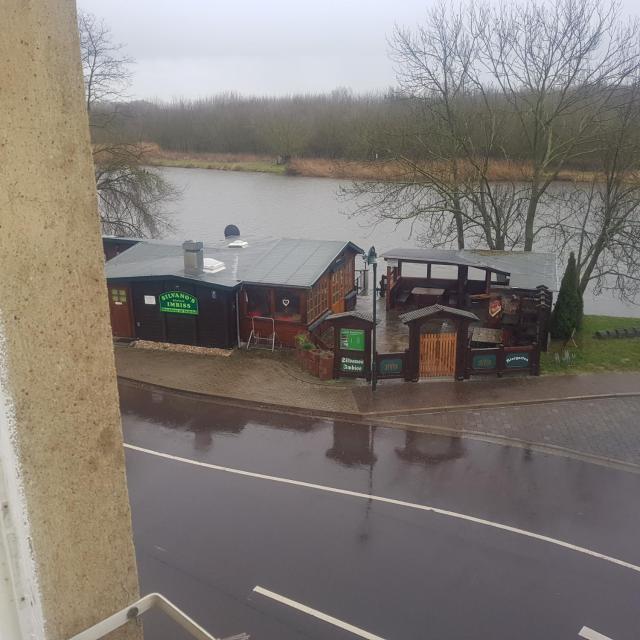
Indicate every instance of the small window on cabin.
{"type": "Point", "coordinates": [119, 296]}
{"type": "Point", "coordinates": [287, 305]}
{"type": "Point", "coordinates": [258, 303]}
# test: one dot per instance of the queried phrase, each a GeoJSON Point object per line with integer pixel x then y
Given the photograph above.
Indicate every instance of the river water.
{"type": "Point", "coordinates": [265, 205]}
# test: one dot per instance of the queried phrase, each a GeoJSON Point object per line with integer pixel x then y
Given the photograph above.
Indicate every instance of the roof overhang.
{"type": "Point", "coordinates": [438, 310]}
{"type": "Point", "coordinates": [461, 261]}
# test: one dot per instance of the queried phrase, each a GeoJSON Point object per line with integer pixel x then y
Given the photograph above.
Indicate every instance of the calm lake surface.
{"type": "Point", "coordinates": [265, 205]}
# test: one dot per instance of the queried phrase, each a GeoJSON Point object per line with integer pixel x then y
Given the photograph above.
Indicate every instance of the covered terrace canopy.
{"type": "Point", "coordinates": [453, 282]}
{"type": "Point", "coordinates": [524, 269]}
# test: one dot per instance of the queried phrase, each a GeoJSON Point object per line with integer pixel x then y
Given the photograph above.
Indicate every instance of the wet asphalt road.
{"type": "Point", "coordinates": [205, 538]}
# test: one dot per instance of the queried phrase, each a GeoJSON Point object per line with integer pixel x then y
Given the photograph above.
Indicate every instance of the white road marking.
{"type": "Point", "coordinates": [399, 503]}
{"type": "Point", "coordinates": [590, 634]}
{"type": "Point", "coordinates": [316, 614]}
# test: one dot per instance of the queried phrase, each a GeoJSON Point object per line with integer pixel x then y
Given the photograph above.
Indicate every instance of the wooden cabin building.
{"type": "Point", "coordinates": [219, 296]}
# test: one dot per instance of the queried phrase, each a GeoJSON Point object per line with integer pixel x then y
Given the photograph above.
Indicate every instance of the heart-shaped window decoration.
{"type": "Point", "coordinates": [285, 302]}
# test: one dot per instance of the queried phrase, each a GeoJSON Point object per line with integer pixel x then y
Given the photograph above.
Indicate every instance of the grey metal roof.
{"type": "Point", "coordinates": [526, 269]}
{"type": "Point", "coordinates": [287, 262]}
{"type": "Point", "coordinates": [296, 263]}
{"type": "Point", "coordinates": [425, 312]}
{"type": "Point", "coordinates": [359, 315]}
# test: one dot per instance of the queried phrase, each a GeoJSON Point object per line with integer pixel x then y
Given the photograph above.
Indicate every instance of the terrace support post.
{"type": "Point", "coordinates": [62, 468]}
{"type": "Point", "coordinates": [413, 354]}
{"type": "Point", "coordinates": [461, 350]}
{"type": "Point", "coordinates": [535, 365]}
{"type": "Point", "coordinates": [463, 277]}
{"type": "Point", "coordinates": [501, 365]}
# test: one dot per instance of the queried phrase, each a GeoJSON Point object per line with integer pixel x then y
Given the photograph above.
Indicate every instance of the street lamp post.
{"type": "Point", "coordinates": [372, 259]}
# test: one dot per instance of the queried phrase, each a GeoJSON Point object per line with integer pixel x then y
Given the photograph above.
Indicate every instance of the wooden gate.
{"type": "Point", "coordinates": [437, 354]}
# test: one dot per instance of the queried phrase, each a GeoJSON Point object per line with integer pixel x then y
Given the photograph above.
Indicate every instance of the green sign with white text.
{"type": "Point", "coordinates": [351, 365]}
{"type": "Point", "coordinates": [484, 361]}
{"type": "Point", "coordinates": [352, 339]}
{"type": "Point", "coordinates": [517, 360]}
{"type": "Point", "coordinates": [178, 302]}
{"type": "Point", "coordinates": [390, 366]}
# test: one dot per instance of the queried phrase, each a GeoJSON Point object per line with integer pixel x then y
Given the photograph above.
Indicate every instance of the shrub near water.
{"type": "Point", "coordinates": [567, 314]}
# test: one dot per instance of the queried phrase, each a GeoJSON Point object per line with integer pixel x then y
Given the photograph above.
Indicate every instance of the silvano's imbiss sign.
{"type": "Point", "coordinates": [178, 302]}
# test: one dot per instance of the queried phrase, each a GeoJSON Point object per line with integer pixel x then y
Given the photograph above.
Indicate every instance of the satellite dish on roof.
{"type": "Point", "coordinates": [231, 230]}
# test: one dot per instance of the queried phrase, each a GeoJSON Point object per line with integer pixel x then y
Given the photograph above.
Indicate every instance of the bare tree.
{"type": "Point", "coordinates": [443, 176]}
{"type": "Point", "coordinates": [434, 66]}
{"type": "Point", "coordinates": [105, 67]}
{"type": "Point", "coordinates": [600, 220]}
{"type": "Point", "coordinates": [480, 77]}
{"type": "Point", "coordinates": [132, 199]}
{"type": "Point", "coordinates": [557, 66]}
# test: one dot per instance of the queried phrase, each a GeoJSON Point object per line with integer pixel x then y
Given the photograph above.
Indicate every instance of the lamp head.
{"type": "Point", "coordinates": [372, 257]}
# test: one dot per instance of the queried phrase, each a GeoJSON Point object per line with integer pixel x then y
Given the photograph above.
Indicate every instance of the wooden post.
{"type": "Point", "coordinates": [272, 302]}
{"type": "Point", "coordinates": [535, 360]}
{"type": "Point", "coordinates": [463, 276]}
{"type": "Point", "coordinates": [500, 361]}
{"type": "Point", "coordinates": [413, 356]}
{"type": "Point", "coordinates": [461, 349]}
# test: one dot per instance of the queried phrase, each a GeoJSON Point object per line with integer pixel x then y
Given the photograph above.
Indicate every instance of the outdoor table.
{"type": "Point", "coordinates": [426, 295]}
{"type": "Point", "coordinates": [486, 334]}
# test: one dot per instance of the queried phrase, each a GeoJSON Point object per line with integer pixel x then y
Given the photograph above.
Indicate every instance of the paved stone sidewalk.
{"type": "Point", "coordinates": [530, 410]}
{"type": "Point", "coordinates": [255, 377]}
{"type": "Point", "coordinates": [605, 428]}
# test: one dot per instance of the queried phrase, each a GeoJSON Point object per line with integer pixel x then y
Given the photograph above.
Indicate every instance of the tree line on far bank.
{"type": "Point", "coordinates": [339, 125]}
{"type": "Point", "coordinates": [527, 91]}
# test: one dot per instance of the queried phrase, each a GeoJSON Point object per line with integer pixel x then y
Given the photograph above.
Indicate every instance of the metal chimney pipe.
{"type": "Point", "coordinates": [193, 257]}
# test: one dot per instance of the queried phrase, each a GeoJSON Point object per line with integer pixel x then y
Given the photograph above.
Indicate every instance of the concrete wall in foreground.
{"type": "Point", "coordinates": [61, 451]}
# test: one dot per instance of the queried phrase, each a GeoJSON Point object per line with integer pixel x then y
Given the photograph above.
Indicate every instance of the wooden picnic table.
{"type": "Point", "coordinates": [427, 291]}
{"type": "Point", "coordinates": [486, 334]}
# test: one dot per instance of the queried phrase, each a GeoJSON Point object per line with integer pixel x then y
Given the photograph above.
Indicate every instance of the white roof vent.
{"type": "Point", "coordinates": [211, 265]}
{"type": "Point", "coordinates": [241, 244]}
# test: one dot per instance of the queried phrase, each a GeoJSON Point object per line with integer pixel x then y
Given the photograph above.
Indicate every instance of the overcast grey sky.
{"type": "Point", "coordinates": [193, 48]}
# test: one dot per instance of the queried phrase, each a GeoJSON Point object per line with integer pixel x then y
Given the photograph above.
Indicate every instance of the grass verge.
{"type": "Point", "coordinates": [500, 170]}
{"type": "Point", "coordinates": [194, 163]}
{"type": "Point", "coordinates": [593, 355]}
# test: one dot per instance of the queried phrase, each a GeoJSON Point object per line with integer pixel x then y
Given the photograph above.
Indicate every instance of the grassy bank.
{"type": "Point", "coordinates": [593, 355]}
{"type": "Point", "coordinates": [500, 170]}
{"type": "Point", "coordinates": [155, 156]}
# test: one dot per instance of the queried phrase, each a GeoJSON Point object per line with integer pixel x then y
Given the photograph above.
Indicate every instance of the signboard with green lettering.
{"type": "Point", "coordinates": [390, 366]}
{"type": "Point", "coordinates": [517, 360]}
{"type": "Point", "coordinates": [484, 361]}
{"type": "Point", "coordinates": [352, 339]}
{"type": "Point", "coordinates": [351, 365]}
{"type": "Point", "coordinates": [178, 302]}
